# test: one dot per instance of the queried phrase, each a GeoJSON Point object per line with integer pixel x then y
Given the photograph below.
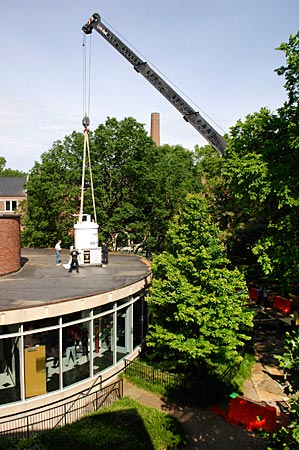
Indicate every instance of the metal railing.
{"type": "Point", "coordinates": [23, 425]}
{"type": "Point", "coordinates": [185, 389]}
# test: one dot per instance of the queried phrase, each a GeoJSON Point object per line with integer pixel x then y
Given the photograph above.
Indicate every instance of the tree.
{"type": "Point", "coordinates": [287, 437]}
{"type": "Point", "coordinates": [9, 172]}
{"type": "Point", "coordinates": [291, 70]}
{"type": "Point", "coordinates": [53, 194]}
{"type": "Point", "coordinates": [199, 315]}
{"type": "Point", "coordinates": [254, 190]}
{"type": "Point", "coordinates": [172, 175]}
{"type": "Point", "coordinates": [2, 163]}
{"type": "Point", "coordinates": [260, 175]}
{"type": "Point", "coordinates": [262, 191]}
{"type": "Point", "coordinates": [137, 186]}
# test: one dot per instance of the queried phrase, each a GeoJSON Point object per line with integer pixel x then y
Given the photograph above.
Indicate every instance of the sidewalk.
{"type": "Point", "coordinates": [266, 382]}
{"type": "Point", "coordinates": [205, 429]}
{"type": "Point", "coordinates": [208, 431]}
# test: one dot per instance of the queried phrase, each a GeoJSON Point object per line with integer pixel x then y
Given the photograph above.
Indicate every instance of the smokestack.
{"type": "Point", "coordinates": [155, 128]}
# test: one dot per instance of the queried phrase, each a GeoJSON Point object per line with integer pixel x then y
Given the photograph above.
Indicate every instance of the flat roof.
{"type": "Point", "coordinates": [40, 281]}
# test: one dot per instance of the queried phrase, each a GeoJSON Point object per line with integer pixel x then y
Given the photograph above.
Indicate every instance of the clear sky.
{"type": "Point", "coordinates": [220, 54]}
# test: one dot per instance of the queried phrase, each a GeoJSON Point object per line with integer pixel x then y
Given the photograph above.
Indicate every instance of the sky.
{"type": "Point", "coordinates": [219, 56]}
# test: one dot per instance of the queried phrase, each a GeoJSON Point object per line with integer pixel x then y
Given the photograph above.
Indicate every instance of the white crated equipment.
{"type": "Point", "coordinates": [87, 241]}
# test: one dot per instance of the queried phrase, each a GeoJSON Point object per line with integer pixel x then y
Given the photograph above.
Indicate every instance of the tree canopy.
{"type": "Point", "coordinates": [137, 186]}
{"type": "Point", "coordinates": [255, 188]}
{"type": "Point", "coordinates": [9, 172]}
{"type": "Point", "coordinates": [199, 317]}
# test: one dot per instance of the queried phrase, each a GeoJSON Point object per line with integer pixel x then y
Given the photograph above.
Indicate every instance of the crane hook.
{"type": "Point", "coordinates": [85, 121]}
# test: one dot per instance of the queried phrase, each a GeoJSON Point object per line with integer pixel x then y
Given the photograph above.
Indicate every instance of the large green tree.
{"type": "Point", "coordinates": [137, 185]}
{"type": "Point", "coordinates": [53, 194]}
{"type": "Point", "coordinates": [256, 189]}
{"type": "Point", "coordinates": [199, 314]}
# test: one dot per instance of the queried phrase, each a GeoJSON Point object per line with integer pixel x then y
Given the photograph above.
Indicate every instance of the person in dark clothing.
{"type": "Point", "coordinates": [260, 296]}
{"type": "Point", "coordinates": [105, 251]}
{"type": "Point", "coordinates": [74, 262]}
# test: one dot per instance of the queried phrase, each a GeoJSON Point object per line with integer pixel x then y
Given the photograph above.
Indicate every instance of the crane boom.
{"type": "Point", "coordinates": [189, 114]}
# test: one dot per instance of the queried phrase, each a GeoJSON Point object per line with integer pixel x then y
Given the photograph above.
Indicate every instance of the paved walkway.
{"type": "Point", "coordinates": [204, 428]}
{"type": "Point", "coordinates": [208, 431]}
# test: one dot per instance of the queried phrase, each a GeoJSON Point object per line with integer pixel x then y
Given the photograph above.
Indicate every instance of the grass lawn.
{"type": "Point", "coordinates": [126, 425]}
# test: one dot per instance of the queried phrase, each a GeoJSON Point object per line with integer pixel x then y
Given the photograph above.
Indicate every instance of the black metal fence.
{"type": "Point", "coordinates": [184, 389]}
{"type": "Point", "coordinates": [23, 425]}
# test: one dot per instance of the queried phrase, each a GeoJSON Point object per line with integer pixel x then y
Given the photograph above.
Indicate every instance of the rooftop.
{"type": "Point", "coordinates": [12, 186]}
{"type": "Point", "coordinates": [41, 282]}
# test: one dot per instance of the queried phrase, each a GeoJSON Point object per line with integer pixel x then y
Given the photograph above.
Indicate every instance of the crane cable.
{"type": "Point", "coordinates": [86, 76]}
{"type": "Point", "coordinates": [85, 123]}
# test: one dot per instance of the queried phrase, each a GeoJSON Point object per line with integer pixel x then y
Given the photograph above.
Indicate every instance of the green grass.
{"type": "Point", "coordinates": [233, 379]}
{"type": "Point", "coordinates": [243, 373]}
{"type": "Point", "coordinates": [147, 385]}
{"type": "Point", "coordinates": [125, 425]}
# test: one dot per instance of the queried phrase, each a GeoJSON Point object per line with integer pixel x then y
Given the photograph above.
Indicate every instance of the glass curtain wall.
{"type": "Point", "coordinates": [48, 355]}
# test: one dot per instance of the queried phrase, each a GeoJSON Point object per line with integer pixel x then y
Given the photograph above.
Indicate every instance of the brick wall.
{"type": "Point", "coordinates": [4, 199]}
{"type": "Point", "coordinates": [10, 250]}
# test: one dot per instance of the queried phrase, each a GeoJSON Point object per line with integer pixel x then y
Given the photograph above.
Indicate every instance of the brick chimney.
{"type": "Point", "coordinates": [155, 128]}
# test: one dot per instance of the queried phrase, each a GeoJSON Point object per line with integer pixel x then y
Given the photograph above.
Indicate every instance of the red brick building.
{"type": "Point", "coordinates": [12, 193]}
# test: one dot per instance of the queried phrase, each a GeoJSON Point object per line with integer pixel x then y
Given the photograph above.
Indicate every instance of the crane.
{"type": "Point", "coordinates": [142, 67]}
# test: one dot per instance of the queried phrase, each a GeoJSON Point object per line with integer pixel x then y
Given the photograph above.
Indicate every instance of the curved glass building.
{"type": "Point", "coordinates": [61, 331]}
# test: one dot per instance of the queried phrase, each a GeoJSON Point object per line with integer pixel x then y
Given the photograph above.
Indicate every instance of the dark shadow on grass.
{"type": "Point", "coordinates": [123, 429]}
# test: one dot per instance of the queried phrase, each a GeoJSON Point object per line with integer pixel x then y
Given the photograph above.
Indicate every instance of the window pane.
{"type": "Point", "coordinates": [9, 370]}
{"type": "Point", "coordinates": [42, 323]}
{"type": "Point", "coordinates": [102, 309]}
{"type": "Point", "coordinates": [123, 334]}
{"type": "Point", "coordinates": [71, 317]}
{"type": "Point", "coordinates": [75, 361]}
{"type": "Point", "coordinates": [103, 343]}
{"type": "Point", "coordinates": [52, 359]}
{"type": "Point", "coordinates": [8, 329]}
{"type": "Point", "coordinates": [123, 301]}
{"type": "Point", "coordinates": [140, 324]}
{"type": "Point", "coordinates": [41, 357]}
